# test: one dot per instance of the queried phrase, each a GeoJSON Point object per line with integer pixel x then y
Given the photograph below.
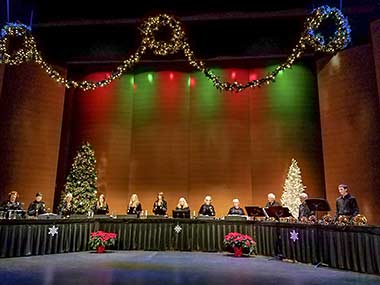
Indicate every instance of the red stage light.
{"type": "Point", "coordinates": [252, 76]}
{"type": "Point", "coordinates": [171, 75]}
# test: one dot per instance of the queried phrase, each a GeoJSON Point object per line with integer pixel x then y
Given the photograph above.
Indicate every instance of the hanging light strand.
{"type": "Point", "coordinates": [310, 37]}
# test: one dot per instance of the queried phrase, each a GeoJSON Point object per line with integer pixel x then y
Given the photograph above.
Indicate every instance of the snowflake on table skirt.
{"type": "Point", "coordinates": [53, 231]}
{"type": "Point", "coordinates": [177, 229]}
{"type": "Point", "coordinates": [294, 236]}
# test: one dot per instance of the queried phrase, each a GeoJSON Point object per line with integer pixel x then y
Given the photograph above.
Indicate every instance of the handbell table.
{"type": "Point", "coordinates": [355, 248]}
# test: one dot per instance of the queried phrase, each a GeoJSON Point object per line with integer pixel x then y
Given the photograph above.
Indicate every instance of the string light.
{"type": "Point", "coordinates": [309, 37]}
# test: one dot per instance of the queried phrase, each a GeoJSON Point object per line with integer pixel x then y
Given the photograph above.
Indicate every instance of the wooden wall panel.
{"type": "Point", "coordinates": [219, 143]}
{"type": "Point", "coordinates": [375, 36]}
{"type": "Point", "coordinates": [31, 108]}
{"type": "Point", "coordinates": [104, 118]}
{"type": "Point", "coordinates": [159, 156]}
{"type": "Point", "coordinates": [285, 125]}
{"type": "Point", "coordinates": [351, 127]}
{"type": "Point", "coordinates": [2, 69]}
{"type": "Point", "coordinates": [174, 132]}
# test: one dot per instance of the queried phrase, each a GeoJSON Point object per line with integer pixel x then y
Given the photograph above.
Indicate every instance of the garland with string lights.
{"type": "Point", "coordinates": [309, 37]}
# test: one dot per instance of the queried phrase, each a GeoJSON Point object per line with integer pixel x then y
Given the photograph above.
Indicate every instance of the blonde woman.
{"type": "Point", "coordinates": [67, 206]}
{"type": "Point", "coordinates": [182, 204]}
{"type": "Point", "coordinates": [134, 206]}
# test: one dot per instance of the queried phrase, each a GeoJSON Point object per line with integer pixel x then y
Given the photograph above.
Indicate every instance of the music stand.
{"type": "Point", "coordinates": [278, 212]}
{"type": "Point", "coordinates": [181, 214]}
{"type": "Point", "coordinates": [318, 204]}
{"type": "Point", "coordinates": [255, 211]}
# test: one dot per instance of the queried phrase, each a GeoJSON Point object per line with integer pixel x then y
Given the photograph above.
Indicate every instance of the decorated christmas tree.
{"type": "Point", "coordinates": [81, 181]}
{"type": "Point", "coordinates": [293, 187]}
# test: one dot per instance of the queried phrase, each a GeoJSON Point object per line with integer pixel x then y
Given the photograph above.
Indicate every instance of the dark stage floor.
{"type": "Point", "coordinates": [138, 267]}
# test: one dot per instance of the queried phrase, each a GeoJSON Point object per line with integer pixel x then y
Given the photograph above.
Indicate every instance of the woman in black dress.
{"type": "Point", "coordinates": [67, 207]}
{"type": "Point", "coordinates": [134, 206]}
{"type": "Point", "coordinates": [160, 206]}
{"type": "Point", "coordinates": [101, 206]}
{"type": "Point", "coordinates": [182, 204]}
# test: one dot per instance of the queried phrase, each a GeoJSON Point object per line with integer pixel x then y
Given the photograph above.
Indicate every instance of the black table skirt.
{"type": "Point", "coordinates": [351, 248]}
{"type": "Point", "coordinates": [22, 239]}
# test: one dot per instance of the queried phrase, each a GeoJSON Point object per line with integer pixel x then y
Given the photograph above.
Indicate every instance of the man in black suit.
{"type": "Point", "coordinates": [346, 204]}
{"type": "Point", "coordinates": [207, 209]}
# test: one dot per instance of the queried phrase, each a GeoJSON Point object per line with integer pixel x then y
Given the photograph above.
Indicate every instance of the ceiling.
{"type": "Point", "coordinates": [104, 32]}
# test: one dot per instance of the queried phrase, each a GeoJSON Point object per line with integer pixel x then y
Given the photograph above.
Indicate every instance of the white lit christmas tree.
{"type": "Point", "coordinates": [293, 187]}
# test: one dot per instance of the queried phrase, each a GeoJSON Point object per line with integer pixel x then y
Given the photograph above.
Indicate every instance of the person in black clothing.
{"type": "Point", "coordinates": [182, 205]}
{"type": "Point", "coordinates": [101, 206]}
{"type": "Point", "coordinates": [67, 207]}
{"type": "Point", "coordinates": [13, 208]}
{"type": "Point", "coordinates": [37, 207]}
{"type": "Point", "coordinates": [346, 204]}
{"type": "Point", "coordinates": [272, 201]}
{"type": "Point", "coordinates": [160, 206]}
{"type": "Point", "coordinates": [304, 211]}
{"type": "Point", "coordinates": [134, 206]}
{"type": "Point", "coordinates": [182, 210]}
{"type": "Point", "coordinates": [207, 209]}
{"type": "Point", "coordinates": [12, 204]}
{"type": "Point", "coordinates": [236, 210]}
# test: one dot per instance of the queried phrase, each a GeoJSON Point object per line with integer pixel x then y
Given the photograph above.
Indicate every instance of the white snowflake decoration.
{"type": "Point", "coordinates": [53, 231]}
{"type": "Point", "coordinates": [177, 229]}
{"type": "Point", "coordinates": [294, 236]}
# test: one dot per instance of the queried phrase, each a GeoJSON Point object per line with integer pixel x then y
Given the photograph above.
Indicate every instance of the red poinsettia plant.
{"type": "Point", "coordinates": [101, 239]}
{"type": "Point", "coordinates": [238, 240]}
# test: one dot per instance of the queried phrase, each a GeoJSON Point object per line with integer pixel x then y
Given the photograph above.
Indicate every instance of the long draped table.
{"type": "Point", "coordinates": [345, 247]}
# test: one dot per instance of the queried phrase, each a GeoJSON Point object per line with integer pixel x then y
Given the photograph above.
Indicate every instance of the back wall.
{"type": "Point", "coordinates": [174, 132]}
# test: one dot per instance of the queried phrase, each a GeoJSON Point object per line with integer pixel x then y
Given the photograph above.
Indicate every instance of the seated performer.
{"type": "Point", "coordinates": [346, 204]}
{"type": "Point", "coordinates": [182, 204]}
{"type": "Point", "coordinates": [271, 201]}
{"type": "Point", "coordinates": [236, 210]}
{"type": "Point", "coordinates": [304, 211]}
{"type": "Point", "coordinates": [207, 209]}
{"type": "Point", "coordinates": [101, 206]}
{"type": "Point", "coordinates": [12, 203]}
{"type": "Point", "coordinates": [67, 207]}
{"type": "Point", "coordinates": [160, 206]}
{"type": "Point", "coordinates": [134, 206]}
{"type": "Point", "coordinates": [37, 207]}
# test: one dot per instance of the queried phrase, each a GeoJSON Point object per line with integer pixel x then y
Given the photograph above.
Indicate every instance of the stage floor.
{"type": "Point", "coordinates": [142, 267]}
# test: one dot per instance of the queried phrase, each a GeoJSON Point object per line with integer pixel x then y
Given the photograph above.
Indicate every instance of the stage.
{"type": "Point", "coordinates": [355, 248]}
{"type": "Point", "coordinates": [141, 267]}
